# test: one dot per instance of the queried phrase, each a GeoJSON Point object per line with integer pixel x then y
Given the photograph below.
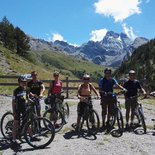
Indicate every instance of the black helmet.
{"type": "Point", "coordinates": [22, 78]}
{"type": "Point", "coordinates": [107, 70]}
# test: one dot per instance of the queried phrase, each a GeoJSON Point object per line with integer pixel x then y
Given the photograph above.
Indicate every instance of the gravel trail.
{"type": "Point", "coordinates": [67, 142]}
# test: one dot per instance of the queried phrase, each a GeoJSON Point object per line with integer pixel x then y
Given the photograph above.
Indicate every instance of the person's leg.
{"type": "Point", "coordinates": [14, 131]}
{"type": "Point", "coordinates": [111, 108]}
{"type": "Point", "coordinates": [133, 108]}
{"type": "Point", "coordinates": [38, 107]}
{"type": "Point", "coordinates": [127, 106]}
{"type": "Point", "coordinates": [79, 113]}
{"type": "Point", "coordinates": [104, 111]}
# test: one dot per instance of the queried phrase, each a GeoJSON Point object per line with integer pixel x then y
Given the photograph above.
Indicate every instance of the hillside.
{"type": "Point", "coordinates": [45, 62]}
{"type": "Point", "coordinates": [143, 62]}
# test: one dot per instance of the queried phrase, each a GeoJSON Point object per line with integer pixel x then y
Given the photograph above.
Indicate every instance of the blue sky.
{"type": "Point", "coordinates": [77, 21]}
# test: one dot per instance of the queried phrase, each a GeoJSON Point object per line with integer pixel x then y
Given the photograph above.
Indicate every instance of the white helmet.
{"type": "Point", "coordinates": [86, 76]}
{"type": "Point", "coordinates": [132, 72]}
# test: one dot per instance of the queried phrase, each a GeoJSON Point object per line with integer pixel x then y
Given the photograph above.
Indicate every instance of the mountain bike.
{"type": "Point", "coordinates": [57, 112]}
{"type": "Point", "coordinates": [139, 124]}
{"type": "Point", "coordinates": [30, 127]}
{"type": "Point", "coordinates": [90, 116]}
{"type": "Point", "coordinates": [116, 124]}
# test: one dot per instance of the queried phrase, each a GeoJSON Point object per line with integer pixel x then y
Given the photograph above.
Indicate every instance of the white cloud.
{"type": "Point", "coordinates": [98, 35]}
{"type": "Point", "coordinates": [118, 9]}
{"type": "Point", "coordinates": [57, 36]}
{"type": "Point", "coordinates": [129, 31]}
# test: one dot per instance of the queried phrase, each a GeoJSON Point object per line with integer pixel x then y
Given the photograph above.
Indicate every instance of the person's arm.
{"type": "Point", "coordinates": [119, 86]}
{"type": "Point", "coordinates": [79, 91]}
{"type": "Point", "coordinates": [100, 83]}
{"type": "Point", "coordinates": [50, 88]}
{"type": "Point", "coordinates": [42, 90]}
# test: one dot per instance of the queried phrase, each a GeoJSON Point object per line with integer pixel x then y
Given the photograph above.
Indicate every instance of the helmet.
{"type": "Point", "coordinates": [56, 73]}
{"type": "Point", "coordinates": [86, 76]}
{"type": "Point", "coordinates": [132, 72]}
{"type": "Point", "coordinates": [107, 70]}
{"type": "Point", "coordinates": [22, 78]}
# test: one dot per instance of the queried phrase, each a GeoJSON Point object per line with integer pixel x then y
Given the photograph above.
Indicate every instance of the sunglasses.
{"type": "Point", "coordinates": [86, 79]}
{"type": "Point", "coordinates": [107, 73]}
{"type": "Point", "coordinates": [34, 74]}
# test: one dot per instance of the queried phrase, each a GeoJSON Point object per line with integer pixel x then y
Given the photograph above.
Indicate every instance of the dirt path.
{"type": "Point", "coordinates": [67, 142]}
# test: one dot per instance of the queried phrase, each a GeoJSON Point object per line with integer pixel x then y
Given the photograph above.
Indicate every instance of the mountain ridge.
{"type": "Point", "coordinates": [110, 51]}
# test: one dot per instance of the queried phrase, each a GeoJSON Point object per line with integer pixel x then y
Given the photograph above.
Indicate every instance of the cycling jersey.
{"type": "Point", "coordinates": [132, 88]}
{"type": "Point", "coordinates": [56, 87]}
{"type": "Point", "coordinates": [107, 85]}
{"type": "Point", "coordinates": [20, 96]}
{"type": "Point", "coordinates": [35, 87]}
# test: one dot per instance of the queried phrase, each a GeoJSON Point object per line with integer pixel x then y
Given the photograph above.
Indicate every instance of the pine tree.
{"type": "Point", "coordinates": [7, 34]}
{"type": "Point", "coordinates": [22, 41]}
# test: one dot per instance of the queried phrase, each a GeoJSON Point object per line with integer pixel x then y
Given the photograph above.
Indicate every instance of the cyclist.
{"type": "Point", "coordinates": [54, 91]}
{"type": "Point", "coordinates": [106, 85]}
{"type": "Point", "coordinates": [37, 90]}
{"type": "Point", "coordinates": [20, 96]}
{"type": "Point", "coordinates": [84, 91]}
{"type": "Point", "coordinates": [132, 86]}
{"type": "Point", "coordinates": [55, 85]}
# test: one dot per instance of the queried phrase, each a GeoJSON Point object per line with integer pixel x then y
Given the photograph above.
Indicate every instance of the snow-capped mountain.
{"type": "Point", "coordinates": [111, 51]}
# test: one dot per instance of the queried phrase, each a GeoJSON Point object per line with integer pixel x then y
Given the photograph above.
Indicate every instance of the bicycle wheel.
{"type": "Point", "coordinates": [118, 132]}
{"type": "Point", "coordinates": [120, 122]}
{"type": "Point", "coordinates": [56, 119]}
{"type": "Point", "coordinates": [112, 120]}
{"type": "Point", "coordinates": [39, 132]}
{"type": "Point", "coordinates": [93, 122]}
{"type": "Point", "coordinates": [142, 120]}
{"type": "Point", "coordinates": [65, 111]}
{"type": "Point", "coordinates": [7, 125]}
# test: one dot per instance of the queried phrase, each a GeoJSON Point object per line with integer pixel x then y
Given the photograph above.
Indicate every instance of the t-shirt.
{"type": "Point", "coordinates": [35, 87]}
{"type": "Point", "coordinates": [107, 85]}
{"type": "Point", "coordinates": [20, 96]}
{"type": "Point", "coordinates": [56, 87]}
{"type": "Point", "coordinates": [132, 88]}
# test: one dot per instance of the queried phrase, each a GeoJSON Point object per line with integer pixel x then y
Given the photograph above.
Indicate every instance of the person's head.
{"type": "Point", "coordinates": [22, 81]}
{"type": "Point", "coordinates": [107, 73]}
{"type": "Point", "coordinates": [34, 75]}
{"type": "Point", "coordinates": [86, 78]}
{"type": "Point", "coordinates": [56, 75]}
{"type": "Point", "coordinates": [132, 75]}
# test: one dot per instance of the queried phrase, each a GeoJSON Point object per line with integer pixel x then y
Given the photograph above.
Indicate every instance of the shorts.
{"type": "Point", "coordinates": [108, 104]}
{"type": "Point", "coordinates": [19, 114]}
{"type": "Point", "coordinates": [81, 108]}
{"type": "Point", "coordinates": [131, 104]}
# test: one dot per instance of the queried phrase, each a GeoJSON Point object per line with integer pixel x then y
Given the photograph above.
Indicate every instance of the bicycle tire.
{"type": "Point", "coordinates": [142, 120]}
{"type": "Point", "coordinates": [9, 127]}
{"type": "Point", "coordinates": [65, 111]}
{"type": "Point", "coordinates": [90, 125]}
{"type": "Point", "coordinates": [48, 127]}
{"type": "Point", "coordinates": [120, 122]}
{"type": "Point", "coordinates": [47, 115]}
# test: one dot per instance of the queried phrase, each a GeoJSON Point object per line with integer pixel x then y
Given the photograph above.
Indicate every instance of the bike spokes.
{"type": "Point", "coordinates": [39, 132]}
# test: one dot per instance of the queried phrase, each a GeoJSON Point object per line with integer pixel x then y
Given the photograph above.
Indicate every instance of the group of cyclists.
{"type": "Point", "coordinates": [35, 88]}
